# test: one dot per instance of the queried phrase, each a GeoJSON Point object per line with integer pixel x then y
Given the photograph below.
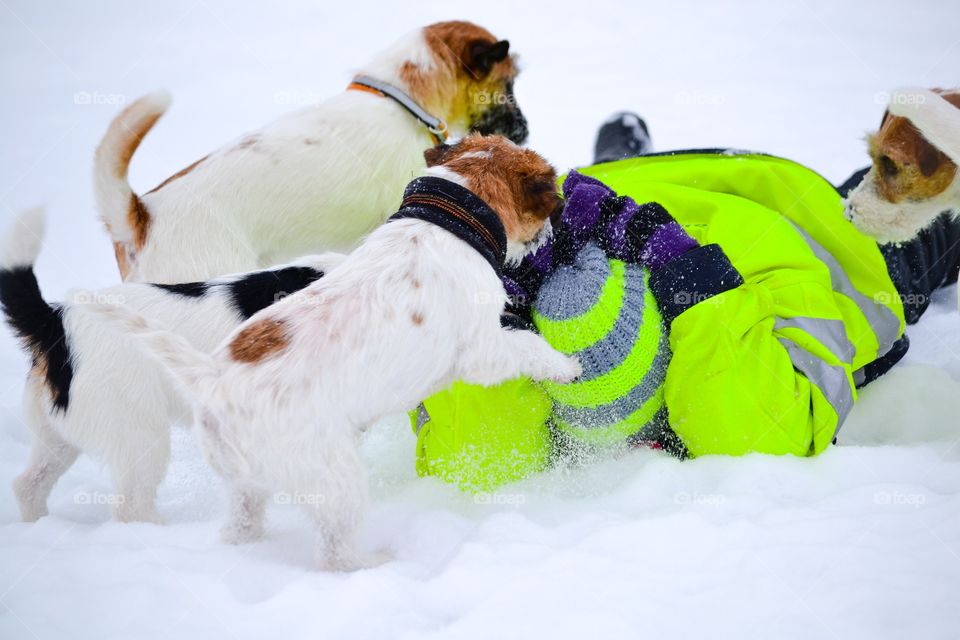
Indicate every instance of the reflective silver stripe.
{"type": "Point", "coordinates": [829, 333]}
{"type": "Point", "coordinates": [830, 379]}
{"type": "Point", "coordinates": [884, 323]}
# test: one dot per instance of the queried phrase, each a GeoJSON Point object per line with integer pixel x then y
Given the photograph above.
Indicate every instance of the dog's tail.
{"type": "Point", "coordinates": [119, 206]}
{"type": "Point", "coordinates": [27, 313]}
{"type": "Point", "coordinates": [937, 119]}
{"type": "Point", "coordinates": [37, 323]}
{"type": "Point", "coordinates": [193, 370]}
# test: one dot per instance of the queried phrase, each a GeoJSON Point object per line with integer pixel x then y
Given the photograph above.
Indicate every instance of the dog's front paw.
{"type": "Point", "coordinates": [565, 369]}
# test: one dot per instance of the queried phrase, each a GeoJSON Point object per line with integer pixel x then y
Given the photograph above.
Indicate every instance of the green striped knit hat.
{"type": "Point", "coordinates": [602, 311]}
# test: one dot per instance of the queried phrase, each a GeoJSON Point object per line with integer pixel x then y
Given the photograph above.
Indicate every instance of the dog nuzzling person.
{"type": "Point", "coordinates": [777, 306]}
{"type": "Point", "coordinates": [315, 180]}
{"type": "Point", "coordinates": [282, 401]}
{"type": "Point", "coordinates": [93, 389]}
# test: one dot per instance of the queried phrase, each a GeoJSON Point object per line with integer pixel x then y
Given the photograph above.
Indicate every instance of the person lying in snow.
{"type": "Point", "coordinates": [777, 310]}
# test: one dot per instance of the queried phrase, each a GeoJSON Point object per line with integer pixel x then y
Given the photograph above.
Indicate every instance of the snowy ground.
{"type": "Point", "coordinates": [862, 542]}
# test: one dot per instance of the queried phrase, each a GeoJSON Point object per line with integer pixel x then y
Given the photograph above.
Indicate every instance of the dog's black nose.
{"type": "Point", "coordinates": [556, 215]}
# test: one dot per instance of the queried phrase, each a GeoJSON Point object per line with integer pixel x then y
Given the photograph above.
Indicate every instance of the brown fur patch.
{"type": "Point", "coordinates": [456, 87]}
{"type": "Point", "coordinates": [907, 166]}
{"type": "Point", "coordinates": [516, 182]}
{"type": "Point", "coordinates": [178, 174]}
{"type": "Point", "coordinates": [134, 140]}
{"type": "Point", "coordinates": [259, 340]}
{"type": "Point", "coordinates": [139, 220]}
{"type": "Point", "coordinates": [416, 318]}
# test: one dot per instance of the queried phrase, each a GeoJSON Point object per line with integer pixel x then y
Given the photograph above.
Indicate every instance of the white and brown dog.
{"type": "Point", "coordinates": [94, 389]}
{"type": "Point", "coordinates": [283, 400]}
{"type": "Point", "coordinates": [315, 180]}
{"type": "Point", "coordinates": [914, 175]}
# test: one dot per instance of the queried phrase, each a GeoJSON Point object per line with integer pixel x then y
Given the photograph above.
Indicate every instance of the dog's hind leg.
{"type": "Point", "coordinates": [244, 523]}
{"type": "Point", "coordinates": [139, 466]}
{"type": "Point", "coordinates": [336, 498]}
{"type": "Point", "coordinates": [49, 460]}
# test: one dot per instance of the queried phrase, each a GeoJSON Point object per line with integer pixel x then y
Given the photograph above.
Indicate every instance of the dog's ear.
{"type": "Point", "coordinates": [483, 55]}
{"type": "Point", "coordinates": [437, 155]}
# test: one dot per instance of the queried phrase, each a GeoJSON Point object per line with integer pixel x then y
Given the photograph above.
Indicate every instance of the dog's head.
{"type": "Point", "coordinates": [517, 183]}
{"type": "Point", "coordinates": [460, 72]}
{"type": "Point", "coordinates": [913, 177]}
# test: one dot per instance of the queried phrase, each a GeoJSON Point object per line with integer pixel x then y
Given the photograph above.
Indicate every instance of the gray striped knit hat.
{"type": "Point", "coordinates": [602, 311]}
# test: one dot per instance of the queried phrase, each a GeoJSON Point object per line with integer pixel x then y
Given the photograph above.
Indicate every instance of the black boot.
{"type": "Point", "coordinates": [623, 135]}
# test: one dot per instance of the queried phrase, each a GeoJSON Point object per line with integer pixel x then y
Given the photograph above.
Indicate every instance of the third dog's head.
{"type": "Point", "coordinates": [460, 72]}
{"type": "Point", "coordinates": [517, 183]}
{"type": "Point", "coordinates": [913, 177]}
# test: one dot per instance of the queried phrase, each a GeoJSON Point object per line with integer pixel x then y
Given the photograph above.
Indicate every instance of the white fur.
{"type": "Point", "coordinates": [887, 221]}
{"type": "Point", "coordinates": [316, 179]}
{"type": "Point", "coordinates": [122, 402]}
{"type": "Point", "coordinates": [21, 242]}
{"type": "Point", "coordinates": [409, 312]}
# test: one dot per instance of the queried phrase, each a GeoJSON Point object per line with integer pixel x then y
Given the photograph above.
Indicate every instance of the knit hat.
{"type": "Point", "coordinates": [601, 310]}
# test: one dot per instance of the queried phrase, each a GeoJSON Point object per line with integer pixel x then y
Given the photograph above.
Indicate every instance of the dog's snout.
{"type": "Point", "coordinates": [556, 215]}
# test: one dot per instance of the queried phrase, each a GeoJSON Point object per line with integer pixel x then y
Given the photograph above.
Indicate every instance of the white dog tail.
{"type": "Point", "coordinates": [21, 243]}
{"type": "Point", "coordinates": [193, 369]}
{"type": "Point", "coordinates": [118, 205]}
{"type": "Point", "coordinates": [936, 118]}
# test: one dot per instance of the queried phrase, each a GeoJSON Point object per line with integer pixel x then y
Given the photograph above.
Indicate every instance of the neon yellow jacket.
{"type": "Point", "coordinates": [770, 365]}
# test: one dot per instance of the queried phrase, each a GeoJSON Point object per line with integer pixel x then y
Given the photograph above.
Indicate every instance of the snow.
{"type": "Point", "coordinates": [861, 542]}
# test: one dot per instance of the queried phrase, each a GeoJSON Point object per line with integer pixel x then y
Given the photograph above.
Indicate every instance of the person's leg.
{"type": "Point", "coordinates": [622, 135]}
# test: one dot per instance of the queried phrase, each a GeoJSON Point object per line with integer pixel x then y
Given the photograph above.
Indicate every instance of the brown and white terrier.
{"type": "Point", "coordinates": [914, 176]}
{"type": "Point", "coordinates": [282, 401]}
{"type": "Point", "coordinates": [317, 179]}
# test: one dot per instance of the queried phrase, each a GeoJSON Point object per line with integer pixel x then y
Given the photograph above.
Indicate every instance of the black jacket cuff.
{"type": "Point", "coordinates": [695, 276]}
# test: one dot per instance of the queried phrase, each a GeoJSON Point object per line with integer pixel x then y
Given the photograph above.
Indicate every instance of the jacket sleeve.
{"type": "Point", "coordinates": [742, 379]}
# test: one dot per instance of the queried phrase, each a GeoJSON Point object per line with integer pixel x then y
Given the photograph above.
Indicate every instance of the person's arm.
{"type": "Point", "coordinates": [740, 378]}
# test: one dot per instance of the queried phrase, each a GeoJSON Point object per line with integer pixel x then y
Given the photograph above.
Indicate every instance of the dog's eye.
{"type": "Point", "coordinates": [888, 167]}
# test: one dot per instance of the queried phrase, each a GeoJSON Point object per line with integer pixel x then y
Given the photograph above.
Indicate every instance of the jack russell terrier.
{"type": "Point", "coordinates": [317, 179]}
{"type": "Point", "coordinates": [914, 176]}
{"type": "Point", "coordinates": [282, 402]}
{"type": "Point", "coordinates": [92, 387]}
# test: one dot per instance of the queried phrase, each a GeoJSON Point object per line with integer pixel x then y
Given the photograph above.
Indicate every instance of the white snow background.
{"type": "Point", "coordinates": [861, 542]}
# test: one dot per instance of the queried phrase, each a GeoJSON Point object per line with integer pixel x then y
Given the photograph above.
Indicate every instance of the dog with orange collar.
{"type": "Point", "coordinates": [317, 179]}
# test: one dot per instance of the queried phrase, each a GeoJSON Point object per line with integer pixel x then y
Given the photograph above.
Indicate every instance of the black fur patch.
{"type": "Point", "coordinates": [503, 118]}
{"type": "Point", "coordinates": [261, 289]}
{"type": "Point", "coordinates": [40, 326]}
{"type": "Point", "coordinates": [187, 289]}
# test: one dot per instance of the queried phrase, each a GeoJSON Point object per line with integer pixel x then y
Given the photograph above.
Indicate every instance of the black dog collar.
{"type": "Point", "coordinates": [458, 210]}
